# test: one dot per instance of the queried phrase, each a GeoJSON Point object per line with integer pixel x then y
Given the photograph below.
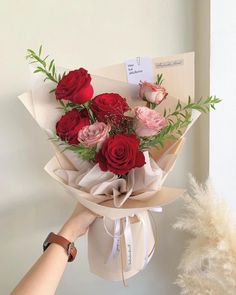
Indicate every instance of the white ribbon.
{"type": "Point", "coordinates": [155, 209]}
{"type": "Point", "coordinates": [129, 246]}
{"type": "Point", "coordinates": [146, 260]}
{"type": "Point", "coordinates": [116, 239]}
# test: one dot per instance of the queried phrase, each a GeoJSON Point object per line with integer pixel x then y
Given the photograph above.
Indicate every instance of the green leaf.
{"type": "Point", "coordinates": [159, 80]}
{"type": "Point", "coordinates": [45, 57]}
{"type": "Point", "coordinates": [37, 71]}
{"type": "Point", "coordinates": [53, 70]}
{"type": "Point", "coordinates": [40, 50]}
{"type": "Point", "coordinates": [212, 106]}
{"type": "Point", "coordinates": [30, 51]}
{"type": "Point", "coordinates": [51, 64]}
{"type": "Point", "coordinates": [53, 90]}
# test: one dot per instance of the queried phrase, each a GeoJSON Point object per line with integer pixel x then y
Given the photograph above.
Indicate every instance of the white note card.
{"type": "Point", "coordinates": [139, 69]}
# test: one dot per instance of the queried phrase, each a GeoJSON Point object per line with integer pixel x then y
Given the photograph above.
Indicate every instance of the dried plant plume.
{"type": "Point", "coordinates": [208, 265]}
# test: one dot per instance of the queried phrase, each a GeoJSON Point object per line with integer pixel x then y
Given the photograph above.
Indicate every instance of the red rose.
{"type": "Point", "coordinates": [120, 153]}
{"type": "Point", "coordinates": [69, 125]}
{"type": "Point", "coordinates": [109, 107]}
{"type": "Point", "coordinates": [75, 86]}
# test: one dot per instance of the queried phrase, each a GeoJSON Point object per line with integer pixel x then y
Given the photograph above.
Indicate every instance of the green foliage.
{"type": "Point", "coordinates": [151, 105]}
{"type": "Point", "coordinates": [203, 105]}
{"type": "Point", "coordinates": [68, 106]}
{"type": "Point", "coordinates": [86, 153]}
{"type": "Point", "coordinates": [54, 137]}
{"type": "Point", "coordinates": [178, 120]}
{"type": "Point", "coordinates": [87, 105]}
{"type": "Point", "coordinates": [171, 131]}
{"type": "Point", "coordinates": [159, 79]}
{"type": "Point", "coordinates": [49, 70]}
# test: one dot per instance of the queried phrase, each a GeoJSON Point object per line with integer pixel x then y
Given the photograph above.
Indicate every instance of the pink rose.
{"type": "Point", "coordinates": [148, 122]}
{"type": "Point", "coordinates": [93, 134]}
{"type": "Point", "coordinates": [152, 92]}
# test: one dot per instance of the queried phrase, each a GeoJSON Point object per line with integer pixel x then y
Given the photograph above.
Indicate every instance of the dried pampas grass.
{"type": "Point", "coordinates": [208, 265]}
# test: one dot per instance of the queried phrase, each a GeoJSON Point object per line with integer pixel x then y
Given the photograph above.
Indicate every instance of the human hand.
{"type": "Point", "coordinates": [78, 223]}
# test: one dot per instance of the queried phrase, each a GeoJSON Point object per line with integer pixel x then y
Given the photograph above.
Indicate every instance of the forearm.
{"type": "Point", "coordinates": [44, 276]}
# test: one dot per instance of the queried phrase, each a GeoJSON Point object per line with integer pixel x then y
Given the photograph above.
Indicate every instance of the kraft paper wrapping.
{"type": "Point", "coordinates": [103, 192]}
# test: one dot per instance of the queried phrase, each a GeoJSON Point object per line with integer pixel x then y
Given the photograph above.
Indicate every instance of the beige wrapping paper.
{"type": "Point", "coordinates": [115, 269]}
{"type": "Point", "coordinates": [102, 192]}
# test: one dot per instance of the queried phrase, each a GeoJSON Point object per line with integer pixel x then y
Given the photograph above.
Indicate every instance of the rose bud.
{"type": "Point", "coordinates": [69, 125]}
{"type": "Point", "coordinates": [96, 133]}
{"type": "Point", "coordinates": [75, 87]}
{"type": "Point", "coordinates": [152, 92]}
{"type": "Point", "coordinates": [148, 122]}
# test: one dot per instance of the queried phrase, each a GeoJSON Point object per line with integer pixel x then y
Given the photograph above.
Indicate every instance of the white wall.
{"type": "Point", "coordinates": [222, 122]}
{"type": "Point", "coordinates": [90, 34]}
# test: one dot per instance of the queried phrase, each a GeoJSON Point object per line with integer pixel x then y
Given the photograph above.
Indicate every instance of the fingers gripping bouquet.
{"type": "Point", "coordinates": [114, 144]}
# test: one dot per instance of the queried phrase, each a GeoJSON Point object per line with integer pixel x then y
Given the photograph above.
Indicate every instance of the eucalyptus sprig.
{"type": "Point", "coordinates": [48, 69]}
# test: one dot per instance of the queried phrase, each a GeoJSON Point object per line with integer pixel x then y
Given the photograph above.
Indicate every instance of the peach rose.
{"type": "Point", "coordinates": [148, 122]}
{"type": "Point", "coordinates": [93, 134]}
{"type": "Point", "coordinates": [152, 92]}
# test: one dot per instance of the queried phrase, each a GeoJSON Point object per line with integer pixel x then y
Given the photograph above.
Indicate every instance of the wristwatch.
{"type": "Point", "coordinates": [67, 245]}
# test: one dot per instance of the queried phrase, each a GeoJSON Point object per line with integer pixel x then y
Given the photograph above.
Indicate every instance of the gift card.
{"type": "Point", "coordinates": [139, 69]}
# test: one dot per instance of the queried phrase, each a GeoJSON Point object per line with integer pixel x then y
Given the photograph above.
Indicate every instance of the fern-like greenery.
{"type": "Point", "coordinates": [48, 69]}
{"type": "Point", "coordinates": [178, 120]}
{"type": "Point", "coordinates": [86, 153]}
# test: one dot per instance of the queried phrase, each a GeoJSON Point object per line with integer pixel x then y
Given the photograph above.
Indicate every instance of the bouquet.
{"type": "Point", "coordinates": [115, 144]}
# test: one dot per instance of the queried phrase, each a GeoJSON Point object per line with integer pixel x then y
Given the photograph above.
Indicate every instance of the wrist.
{"type": "Point", "coordinates": [68, 246]}
{"type": "Point", "coordinates": [69, 232]}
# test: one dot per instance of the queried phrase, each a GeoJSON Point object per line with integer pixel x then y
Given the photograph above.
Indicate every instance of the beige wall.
{"type": "Point", "coordinates": [202, 84]}
{"type": "Point", "coordinates": [90, 34]}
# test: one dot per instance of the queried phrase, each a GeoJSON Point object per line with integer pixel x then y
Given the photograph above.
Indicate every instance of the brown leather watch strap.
{"type": "Point", "coordinates": [67, 245]}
